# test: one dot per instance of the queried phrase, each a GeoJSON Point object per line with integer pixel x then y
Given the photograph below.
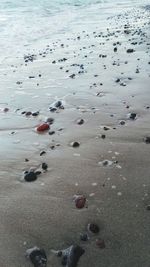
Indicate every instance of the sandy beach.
{"type": "Point", "coordinates": [99, 69]}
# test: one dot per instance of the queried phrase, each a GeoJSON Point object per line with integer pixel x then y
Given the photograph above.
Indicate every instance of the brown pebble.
{"type": "Point", "coordinates": [100, 243]}
{"type": "Point", "coordinates": [80, 202]}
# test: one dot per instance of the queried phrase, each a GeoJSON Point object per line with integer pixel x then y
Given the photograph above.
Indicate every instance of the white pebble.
{"type": "Point", "coordinates": [94, 184]}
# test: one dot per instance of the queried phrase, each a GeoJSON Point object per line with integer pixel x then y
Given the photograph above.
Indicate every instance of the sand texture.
{"type": "Point", "coordinates": [97, 79]}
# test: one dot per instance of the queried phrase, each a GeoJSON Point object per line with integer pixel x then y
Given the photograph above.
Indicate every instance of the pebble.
{"type": "Point", "coordinates": [103, 136]}
{"type": "Point", "coordinates": [37, 256]}
{"type": "Point", "coordinates": [94, 228]}
{"type": "Point", "coordinates": [148, 207]}
{"type": "Point", "coordinates": [42, 153]}
{"type": "Point", "coordinates": [44, 166]}
{"type": "Point", "coordinates": [130, 50]}
{"type": "Point", "coordinates": [43, 127]}
{"type": "Point", "coordinates": [75, 144]}
{"type": "Point", "coordinates": [84, 237]}
{"type": "Point", "coordinates": [30, 176]}
{"type": "Point", "coordinates": [122, 122]}
{"type": "Point", "coordinates": [80, 121]}
{"type": "Point", "coordinates": [51, 132]}
{"type": "Point", "coordinates": [70, 256]}
{"type": "Point", "coordinates": [50, 120]}
{"type": "Point", "coordinates": [132, 116]}
{"type": "Point", "coordinates": [147, 140]}
{"type": "Point", "coordinates": [80, 201]}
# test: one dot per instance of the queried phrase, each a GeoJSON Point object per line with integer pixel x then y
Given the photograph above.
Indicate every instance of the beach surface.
{"type": "Point", "coordinates": [98, 67]}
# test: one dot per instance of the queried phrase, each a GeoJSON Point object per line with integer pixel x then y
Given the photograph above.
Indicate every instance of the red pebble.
{"type": "Point", "coordinates": [43, 127]}
{"type": "Point", "coordinates": [100, 243]}
{"type": "Point", "coordinates": [80, 202]}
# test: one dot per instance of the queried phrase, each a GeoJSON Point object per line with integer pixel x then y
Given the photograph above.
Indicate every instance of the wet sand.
{"type": "Point", "coordinates": [106, 87]}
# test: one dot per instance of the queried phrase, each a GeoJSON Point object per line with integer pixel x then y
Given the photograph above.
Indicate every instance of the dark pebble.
{"type": "Point", "coordinates": [130, 50]}
{"type": "Point", "coordinates": [84, 237]}
{"type": "Point", "coordinates": [52, 109]}
{"type": "Point", "coordinates": [31, 77]}
{"type": "Point", "coordinates": [80, 121]}
{"type": "Point", "coordinates": [148, 207]}
{"type": "Point", "coordinates": [75, 144]}
{"type": "Point", "coordinates": [50, 120]}
{"type": "Point", "coordinates": [118, 80]}
{"type": "Point", "coordinates": [147, 140]}
{"type": "Point", "coordinates": [28, 113]}
{"type": "Point", "coordinates": [132, 116]}
{"type": "Point", "coordinates": [122, 122]}
{"type": "Point", "coordinates": [58, 104]}
{"type": "Point", "coordinates": [72, 76]}
{"type": "Point", "coordinates": [94, 228]}
{"type": "Point", "coordinates": [42, 153]}
{"type": "Point", "coordinates": [38, 257]}
{"type": "Point", "coordinates": [103, 136]}
{"type": "Point", "coordinates": [106, 128]}
{"type": "Point", "coordinates": [34, 114]}
{"type": "Point", "coordinates": [44, 166]}
{"type": "Point", "coordinates": [30, 177]}
{"type": "Point", "coordinates": [51, 132]}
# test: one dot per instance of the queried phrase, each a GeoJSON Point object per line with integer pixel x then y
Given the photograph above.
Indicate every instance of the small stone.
{"type": "Point", "coordinates": [84, 237]}
{"type": "Point", "coordinates": [30, 176]}
{"type": "Point", "coordinates": [51, 132]}
{"type": "Point", "coordinates": [26, 160]}
{"type": "Point", "coordinates": [148, 207]}
{"type": "Point", "coordinates": [130, 50]}
{"type": "Point", "coordinates": [132, 116]}
{"type": "Point", "coordinates": [117, 80]}
{"type": "Point", "coordinates": [80, 201]}
{"type": "Point", "coordinates": [103, 136]}
{"type": "Point", "coordinates": [106, 128]}
{"type": "Point", "coordinates": [44, 166]}
{"type": "Point", "coordinates": [122, 122]}
{"type": "Point", "coordinates": [50, 120]}
{"type": "Point", "coordinates": [31, 77]}
{"type": "Point", "coordinates": [94, 228]}
{"type": "Point", "coordinates": [72, 76]}
{"type": "Point", "coordinates": [43, 127]}
{"type": "Point", "coordinates": [80, 121]}
{"type": "Point", "coordinates": [58, 104]}
{"type": "Point", "coordinates": [75, 144]}
{"type": "Point", "coordinates": [147, 140]}
{"type": "Point", "coordinates": [122, 84]}
{"type": "Point", "coordinates": [52, 109]}
{"type": "Point", "coordinates": [28, 113]}
{"type": "Point", "coordinates": [34, 114]}
{"type": "Point", "coordinates": [100, 243]}
{"type": "Point", "coordinates": [115, 49]}
{"type": "Point", "coordinates": [6, 109]}
{"type": "Point", "coordinates": [42, 153]}
{"type": "Point", "coordinates": [37, 256]}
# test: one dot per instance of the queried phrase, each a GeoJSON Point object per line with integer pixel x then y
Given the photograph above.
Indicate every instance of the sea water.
{"type": "Point", "coordinates": [24, 23]}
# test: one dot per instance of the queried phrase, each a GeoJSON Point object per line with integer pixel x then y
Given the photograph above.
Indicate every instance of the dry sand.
{"type": "Point", "coordinates": [43, 213]}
